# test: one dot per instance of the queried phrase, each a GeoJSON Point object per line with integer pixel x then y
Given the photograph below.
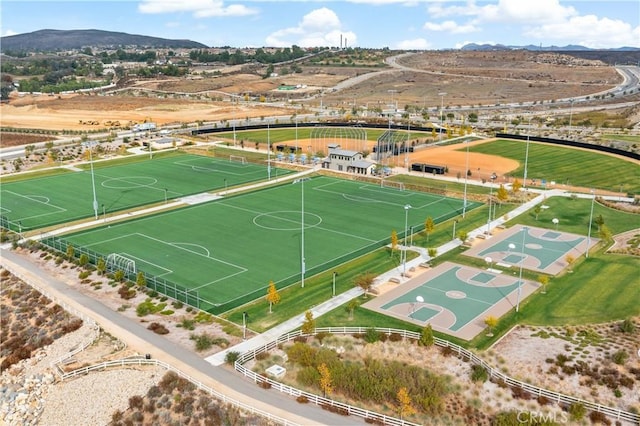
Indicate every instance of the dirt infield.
{"type": "Point", "coordinates": [455, 158]}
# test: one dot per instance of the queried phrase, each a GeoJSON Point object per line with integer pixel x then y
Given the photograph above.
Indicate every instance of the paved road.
{"type": "Point", "coordinates": [222, 379]}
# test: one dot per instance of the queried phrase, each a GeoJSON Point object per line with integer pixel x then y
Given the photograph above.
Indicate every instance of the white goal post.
{"type": "Point", "coordinates": [238, 159]}
{"type": "Point", "coordinates": [117, 262]}
{"type": "Point", "coordinates": [392, 184]}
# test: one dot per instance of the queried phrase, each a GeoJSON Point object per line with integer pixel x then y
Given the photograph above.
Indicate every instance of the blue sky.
{"type": "Point", "coordinates": [397, 24]}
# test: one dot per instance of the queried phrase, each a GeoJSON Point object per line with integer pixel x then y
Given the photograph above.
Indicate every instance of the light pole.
{"type": "Point", "coordinates": [268, 153]}
{"type": "Point", "coordinates": [526, 157]}
{"type": "Point", "coordinates": [333, 292]}
{"type": "Point", "coordinates": [453, 237]}
{"type": "Point", "coordinates": [93, 179]}
{"type": "Point", "coordinates": [466, 174]}
{"type": "Point", "coordinates": [165, 195]}
{"type": "Point", "coordinates": [104, 214]}
{"type": "Point", "coordinates": [441, 94]}
{"type": "Point", "coordinates": [406, 231]}
{"type": "Point", "coordinates": [244, 325]}
{"type": "Point", "coordinates": [593, 198]}
{"type": "Point", "coordinates": [570, 115]}
{"type": "Point", "coordinates": [489, 219]}
{"type": "Point", "coordinates": [20, 228]}
{"type": "Point", "coordinates": [302, 265]}
{"type": "Point", "coordinates": [524, 231]}
{"type": "Point", "coordinates": [225, 186]}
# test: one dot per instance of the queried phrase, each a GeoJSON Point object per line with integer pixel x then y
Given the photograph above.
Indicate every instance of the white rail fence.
{"type": "Point", "coordinates": [144, 361]}
{"type": "Point", "coordinates": [494, 373]}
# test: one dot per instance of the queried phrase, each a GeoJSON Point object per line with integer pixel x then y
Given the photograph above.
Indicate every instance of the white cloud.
{"type": "Point", "coordinates": [199, 8]}
{"type": "Point", "coordinates": [9, 33]}
{"type": "Point", "coordinates": [589, 31]}
{"type": "Point", "coordinates": [450, 27]}
{"type": "Point", "coordinates": [320, 27]}
{"type": "Point", "coordinates": [414, 44]}
{"type": "Point", "coordinates": [511, 11]}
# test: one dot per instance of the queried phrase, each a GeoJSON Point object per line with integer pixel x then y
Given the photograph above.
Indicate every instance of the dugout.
{"type": "Point", "coordinates": [428, 168]}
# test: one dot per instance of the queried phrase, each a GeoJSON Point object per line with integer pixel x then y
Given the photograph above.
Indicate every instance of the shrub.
{"type": "Point", "coordinates": [158, 328]}
{"type": "Point", "coordinates": [620, 357]}
{"type": "Point", "coordinates": [597, 417]}
{"type": "Point", "coordinates": [479, 373]}
{"type": "Point", "coordinates": [627, 326]}
{"type": "Point", "coordinates": [302, 399]}
{"type": "Point", "coordinates": [577, 411]}
{"type": "Point", "coordinates": [84, 275]}
{"type": "Point", "coordinates": [426, 336]}
{"type": "Point", "coordinates": [203, 341]}
{"type": "Point", "coordinates": [371, 335]}
{"type": "Point", "coordinates": [231, 357]}
{"type": "Point", "coordinates": [136, 402]}
{"type": "Point", "coordinates": [395, 337]}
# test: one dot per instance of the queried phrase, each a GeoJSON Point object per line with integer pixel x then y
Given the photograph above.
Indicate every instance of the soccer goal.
{"type": "Point", "coordinates": [238, 159]}
{"type": "Point", "coordinates": [392, 184]}
{"type": "Point", "coordinates": [116, 262]}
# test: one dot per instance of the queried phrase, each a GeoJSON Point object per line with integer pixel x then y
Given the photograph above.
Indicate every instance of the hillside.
{"type": "Point", "coordinates": [55, 40]}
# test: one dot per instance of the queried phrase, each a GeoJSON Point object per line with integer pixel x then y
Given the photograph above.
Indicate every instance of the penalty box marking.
{"type": "Point", "coordinates": [219, 166]}
{"type": "Point", "coordinates": [34, 199]}
{"type": "Point", "coordinates": [240, 269]}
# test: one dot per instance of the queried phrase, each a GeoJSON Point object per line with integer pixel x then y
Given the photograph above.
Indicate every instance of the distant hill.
{"type": "Point", "coordinates": [56, 40]}
{"type": "Point", "coordinates": [568, 48]}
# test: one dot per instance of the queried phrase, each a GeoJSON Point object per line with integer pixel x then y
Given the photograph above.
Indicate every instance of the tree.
{"type": "Point", "coordinates": [273, 297]}
{"type": "Point", "coordinates": [599, 220]}
{"type": "Point", "coordinates": [428, 226]}
{"type": "Point", "coordinates": [70, 252]}
{"type": "Point", "coordinates": [365, 281]}
{"type": "Point", "coordinates": [463, 235]}
{"type": "Point", "coordinates": [101, 266]}
{"type": "Point", "coordinates": [537, 209]}
{"type": "Point", "coordinates": [516, 186]}
{"type": "Point", "coordinates": [502, 194]}
{"type": "Point", "coordinates": [141, 281]}
{"type": "Point", "coordinates": [351, 306]}
{"type": "Point", "coordinates": [491, 323]}
{"type": "Point", "coordinates": [118, 275]}
{"type": "Point", "coordinates": [605, 232]}
{"type": "Point", "coordinates": [432, 252]}
{"type": "Point", "coordinates": [405, 407]}
{"type": "Point", "coordinates": [309, 324]}
{"type": "Point", "coordinates": [543, 280]}
{"type": "Point", "coordinates": [569, 259]}
{"type": "Point", "coordinates": [394, 241]}
{"type": "Point", "coordinates": [325, 379]}
{"type": "Point", "coordinates": [426, 336]}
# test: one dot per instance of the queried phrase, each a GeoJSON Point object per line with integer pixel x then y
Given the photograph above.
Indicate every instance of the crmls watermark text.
{"type": "Point", "coordinates": [532, 417]}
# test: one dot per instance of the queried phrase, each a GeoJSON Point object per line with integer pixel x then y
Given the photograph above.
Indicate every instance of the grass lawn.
{"type": "Point", "coordinates": [289, 134]}
{"type": "Point", "coordinates": [567, 165]}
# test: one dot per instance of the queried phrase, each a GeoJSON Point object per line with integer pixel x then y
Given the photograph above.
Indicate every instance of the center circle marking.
{"type": "Point", "coordinates": [455, 294]}
{"type": "Point", "coordinates": [129, 182]}
{"type": "Point", "coordinates": [286, 220]}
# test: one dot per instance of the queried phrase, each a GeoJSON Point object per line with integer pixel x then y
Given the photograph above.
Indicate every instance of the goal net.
{"type": "Point", "coordinates": [392, 184]}
{"type": "Point", "coordinates": [116, 262]}
{"type": "Point", "coordinates": [238, 159]}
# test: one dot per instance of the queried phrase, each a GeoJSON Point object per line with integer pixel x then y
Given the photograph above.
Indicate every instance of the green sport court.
{"type": "Point", "coordinates": [544, 250]}
{"type": "Point", "coordinates": [45, 201]}
{"type": "Point", "coordinates": [453, 298]}
{"type": "Point", "coordinates": [229, 249]}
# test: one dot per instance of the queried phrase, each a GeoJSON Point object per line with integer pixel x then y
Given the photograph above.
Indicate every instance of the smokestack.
{"type": "Point", "coordinates": [340, 41]}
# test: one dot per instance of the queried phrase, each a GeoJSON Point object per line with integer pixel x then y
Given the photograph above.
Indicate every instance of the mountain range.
{"type": "Point", "coordinates": [57, 40]}
{"type": "Point", "coordinates": [567, 48]}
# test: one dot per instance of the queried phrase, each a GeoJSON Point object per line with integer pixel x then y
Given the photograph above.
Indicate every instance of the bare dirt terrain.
{"type": "Point", "coordinates": [66, 111]}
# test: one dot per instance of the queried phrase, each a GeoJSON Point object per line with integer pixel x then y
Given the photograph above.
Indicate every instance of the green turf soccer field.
{"type": "Point", "coordinates": [230, 249]}
{"type": "Point", "coordinates": [39, 202]}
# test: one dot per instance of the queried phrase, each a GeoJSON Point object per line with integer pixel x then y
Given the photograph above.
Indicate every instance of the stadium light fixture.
{"type": "Point", "coordinates": [89, 146]}
{"type": "Point", "coordinates": [406, 231]}
{"type": "Point", "coordinates": [466, 175]}
{"type": "Point", "coordinates": [526, 157]}
{"type": "Point", "coordinates": [593, 199]}
{"type": "Point", "coordinates": [442, 95]}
